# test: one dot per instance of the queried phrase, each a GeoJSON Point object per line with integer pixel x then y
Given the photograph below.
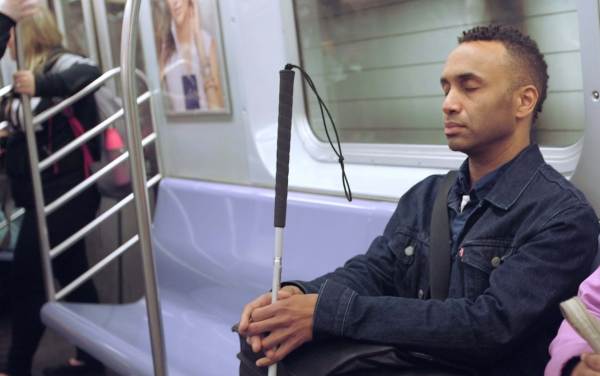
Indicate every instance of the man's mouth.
{"type": "Point", "coordinates": [452, 128]}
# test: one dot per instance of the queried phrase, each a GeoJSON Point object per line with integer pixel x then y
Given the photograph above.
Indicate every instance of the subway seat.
{"type": "Point", "coordinates": [213, 248]}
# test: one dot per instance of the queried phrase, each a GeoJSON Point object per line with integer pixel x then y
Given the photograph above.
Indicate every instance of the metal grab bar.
{"type": "Point", "coordinates": [136, 147]}
{"type": "Point", "coordinates": [36, 178]}
{"type": "Point", "coordinates": [97, 221]}
{"type": "Point", "coordinates": [5, 90]}
{"type": "Point", "coordinates": [96, 268]}
{"type": "Point", "coordinates": [13, 217]}
{"type": "Point", "coordinates": [50, 208]}
{"type": "Point", "coordinates": [142, 205]}
{"type": "Point", "coordinates": [87, 90]}
{"type": "Point", "coordinates": [65, 150]}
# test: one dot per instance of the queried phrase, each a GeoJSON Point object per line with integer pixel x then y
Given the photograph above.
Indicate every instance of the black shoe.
{"type": "Point", "coordinates": [70, 370]}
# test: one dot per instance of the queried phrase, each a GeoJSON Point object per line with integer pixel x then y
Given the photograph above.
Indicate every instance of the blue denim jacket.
{"type": "Point", "coordinates": [525, 248]}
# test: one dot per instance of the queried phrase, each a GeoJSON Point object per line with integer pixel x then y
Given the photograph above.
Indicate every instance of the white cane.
{"type": "Point", "coordinates": [284, 129]}
{"type": "Point", "coordinates": [286, 95]}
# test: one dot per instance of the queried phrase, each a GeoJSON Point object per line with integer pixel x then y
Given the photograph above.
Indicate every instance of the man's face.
{"type": "Point", "coordinates": [479, 110]}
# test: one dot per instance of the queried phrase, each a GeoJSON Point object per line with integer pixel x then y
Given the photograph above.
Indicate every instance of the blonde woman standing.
{"type": "Point", "coordinates": [52, 72]}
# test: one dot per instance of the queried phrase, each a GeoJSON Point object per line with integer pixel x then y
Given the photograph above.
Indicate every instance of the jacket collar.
{"type": "Point", "coordinates": [512, 183]}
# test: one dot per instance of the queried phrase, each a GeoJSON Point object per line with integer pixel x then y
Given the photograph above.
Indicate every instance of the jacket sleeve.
{"type": "Point", "coordinates": [473, 331]}
{"type": "Point", "coordinates": [568, 344]}
{"type": "Point", "coordinates": [6, 23]}
{"type": "Point", "coordinates": [66, 82]}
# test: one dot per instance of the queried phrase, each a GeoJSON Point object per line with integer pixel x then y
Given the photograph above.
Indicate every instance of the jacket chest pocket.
{"type": "Point", "coordinates": [478, 261]}
{"type": "Point", "coordinates": [411, 256]}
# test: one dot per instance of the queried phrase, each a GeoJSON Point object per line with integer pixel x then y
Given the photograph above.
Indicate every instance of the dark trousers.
{"type": "Point", "coordinates": [27, 283]}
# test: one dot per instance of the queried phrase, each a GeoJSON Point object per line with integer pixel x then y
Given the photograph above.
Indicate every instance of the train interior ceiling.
{"type": "Point", "coordinates": [376, 63]}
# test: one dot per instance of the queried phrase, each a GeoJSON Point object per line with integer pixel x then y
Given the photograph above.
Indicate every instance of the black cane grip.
{"type": "Point", "coordinates": [284, 129]}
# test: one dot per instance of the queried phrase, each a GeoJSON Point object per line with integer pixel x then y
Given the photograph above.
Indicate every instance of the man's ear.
{"type": "Point", "coordinates": [526, 101]}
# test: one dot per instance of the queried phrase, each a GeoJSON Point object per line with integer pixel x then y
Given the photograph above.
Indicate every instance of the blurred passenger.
{"type": "Point", "coordinates": [571, 355]}
{"type": "Point", "coordinates": [189, 68]}
{"type": "Point", "coordinates": [522, 238]}
{"type": "Point", "coordinates": [52, 72]}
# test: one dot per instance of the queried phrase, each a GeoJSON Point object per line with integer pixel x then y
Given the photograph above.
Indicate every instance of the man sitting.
{"type": "Point", "coordinates": [522, 237]}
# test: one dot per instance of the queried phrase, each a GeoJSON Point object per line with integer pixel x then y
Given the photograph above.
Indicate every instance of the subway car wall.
{"type": "Point", "coordinates": [380, 83]}
{"type": "Point", "coordinates": [348, 58]}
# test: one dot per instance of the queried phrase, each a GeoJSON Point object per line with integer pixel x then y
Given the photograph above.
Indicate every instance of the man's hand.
{"type": "Point", "coordinates": [24, 82]}
{"type": "Point", "coordinates": [18, 9]}
{"type": "Point", "coordinates": [588, 366]}
{"type": "Point", "coordinates": [289, 324]}
{"type": "Point", "coordinates": [255, 340]}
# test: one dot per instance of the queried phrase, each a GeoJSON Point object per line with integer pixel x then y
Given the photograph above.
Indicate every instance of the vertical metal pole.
{"type": "Point", "coordinates": [103, 33]}
{"type": "Point", "coordinates": [36, 179]}
{"type": "Point", "coordinates": [59, 13]}
{"type": "Point", "coordinates": [90, 30]}
{"type": "Point", "coordinates": [587, 174]}
{"type": "Point", "coordinates": [128, 51]}
{"type": "Point", "coordinates": [152, 74]}
{"type": "Point", "coordinates": [120, 278]}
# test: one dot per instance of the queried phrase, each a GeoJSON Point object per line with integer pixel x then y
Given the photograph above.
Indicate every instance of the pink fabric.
{"type": "Point", "coordinates": [113, 140]}
{"type": "Point", "coordinates": [78, 130]}
{"type": "Point", "coordinates": [567, 342]}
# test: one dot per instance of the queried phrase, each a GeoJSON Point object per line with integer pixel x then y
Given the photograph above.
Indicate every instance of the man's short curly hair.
{"type": "Point", "coordinates": [524, 52]}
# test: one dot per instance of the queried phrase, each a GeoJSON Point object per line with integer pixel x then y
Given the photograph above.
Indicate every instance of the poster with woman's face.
{"type": "Point", "coordinates": [191, 65]}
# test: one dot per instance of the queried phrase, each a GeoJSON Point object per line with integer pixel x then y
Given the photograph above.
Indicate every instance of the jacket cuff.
{"type": "Point", "coordinates": [306, 288]}
{"type": "Point", "coordinates": [332, 309]}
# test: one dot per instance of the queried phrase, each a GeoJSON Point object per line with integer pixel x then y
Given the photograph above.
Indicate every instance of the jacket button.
{"type": "Point", "coordinates": [496, 261]}
{"type": "Point", "coordinates": [409, 251]}
{"type": "Point", "coordinates": [421, 294]}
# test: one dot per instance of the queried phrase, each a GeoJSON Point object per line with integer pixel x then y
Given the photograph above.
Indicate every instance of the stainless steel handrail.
{"type": "Point", "coordinates": [60, 248]}
{"type": "Point", "coordinates": [65, 150]}
{"type": "Point", "coordinates": [5, 90]}
{"type": "Point", "coordinates": [36, 179]}
{"type": "Point", "coordinates": [96, 268]}
{"type": "Point", "coordinates": [139, 184]}
{"type": "Point", "coordinates": [87, 90]}
{"type": "Point", "coordinates": [54, 205]}
{"type": "Point", "coordinates": [13, 217]}
{"type": "Point", "coordinates": [142, 206]}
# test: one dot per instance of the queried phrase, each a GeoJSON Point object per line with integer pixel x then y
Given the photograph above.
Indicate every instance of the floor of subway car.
{"type": "Point", "coordinates": [53, 350]}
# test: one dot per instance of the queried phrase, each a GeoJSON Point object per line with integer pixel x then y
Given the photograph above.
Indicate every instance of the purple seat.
{"type": "Point", "coordinates": [213, 247]}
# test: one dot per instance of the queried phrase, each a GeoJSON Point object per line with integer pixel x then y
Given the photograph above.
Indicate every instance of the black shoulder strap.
{"type": "Point", "coordinates": [53, 58]}
{"type": "Point", "coordinates": [439, 245]}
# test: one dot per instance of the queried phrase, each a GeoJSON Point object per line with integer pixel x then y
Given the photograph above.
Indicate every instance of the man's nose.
{"type": "Point", "coordinates": [451, 104]}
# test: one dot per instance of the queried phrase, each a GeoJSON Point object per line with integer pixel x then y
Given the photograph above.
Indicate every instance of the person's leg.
{"type": "Point", "coordinates": [27, 298]}
{"type": "Point", "coordinates": [69, 266]}
{"type": "Point", "coordinates": [73, 262]}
